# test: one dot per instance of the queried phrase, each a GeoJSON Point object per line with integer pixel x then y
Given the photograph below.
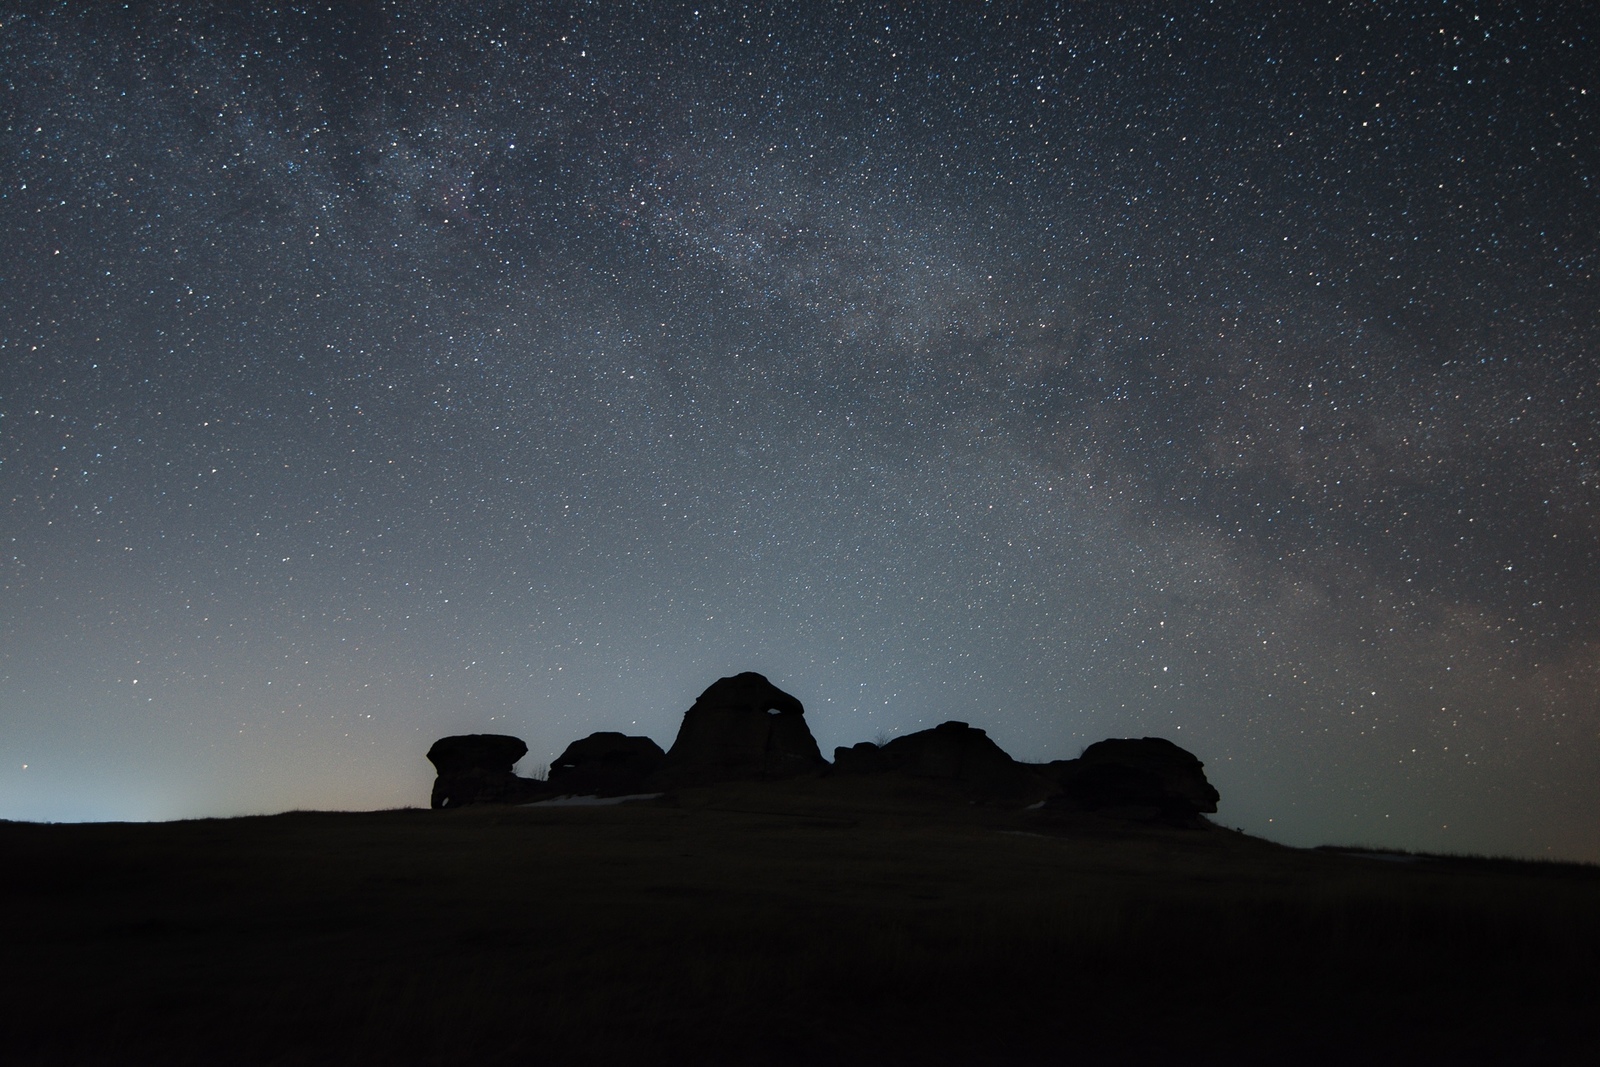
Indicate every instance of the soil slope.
{"type": "Point", "coordinates": [813, 921]}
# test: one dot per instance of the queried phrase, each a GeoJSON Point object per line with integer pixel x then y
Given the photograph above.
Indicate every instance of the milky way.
{"type": "Point", "coordinates": [374, 374]}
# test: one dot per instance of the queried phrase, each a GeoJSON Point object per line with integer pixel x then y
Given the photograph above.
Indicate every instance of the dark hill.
{"type": "Point", "coordinates": [866, 919]}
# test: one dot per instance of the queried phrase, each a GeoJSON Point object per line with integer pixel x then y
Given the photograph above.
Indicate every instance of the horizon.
{"type": "Point", "coordinates": [373, 375]}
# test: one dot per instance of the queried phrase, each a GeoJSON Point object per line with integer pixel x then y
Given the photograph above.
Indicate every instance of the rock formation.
{"type": "Point", "coordinates": [1146, 772]}
{"type": "Point", "coordinates": [744, 727]}
{"type": "Point", "coordinates": [606, 764]}
{"type": "Point", "coordinates": [476, 769]}
{"type": "Point", "coordinates": [952, 751]}
{"type": "Point", "coordinates": [741, 727]}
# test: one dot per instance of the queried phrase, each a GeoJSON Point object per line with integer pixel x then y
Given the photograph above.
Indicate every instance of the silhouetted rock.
{"type": "Point", "coordinates": [1147, 772]}
{"type": "Point", "coordinates": [741, 727]}
{"type": "Point", "coordinates": [476, 752]}
{"type": "Point", "coordinates": [476, 769]}
{"type": "Point", "coordinates": [864, 758]}
{"type": "Point", "coordinates": [951, 751]}
{"type": "Point", "coordinates": [606, 764]}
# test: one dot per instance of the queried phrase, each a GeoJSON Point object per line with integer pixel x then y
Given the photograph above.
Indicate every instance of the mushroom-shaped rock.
{"type": "Point", "coordinates": [952, 751]}
{"type": "Point", "coordinates": [476, 769]}
{"type": "Point", "coordinates": [741, 727]}
{"type": "Point", "coordinates": [606, 763]}
{"type": "Point", "coordinates": [1136, 772]}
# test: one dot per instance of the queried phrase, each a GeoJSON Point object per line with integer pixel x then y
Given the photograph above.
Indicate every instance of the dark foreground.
{"type": "Point", "coordinates": [812, 922]}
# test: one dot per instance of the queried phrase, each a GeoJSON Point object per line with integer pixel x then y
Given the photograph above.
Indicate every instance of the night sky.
{"type": "Point", "coordinates": [370, 373]}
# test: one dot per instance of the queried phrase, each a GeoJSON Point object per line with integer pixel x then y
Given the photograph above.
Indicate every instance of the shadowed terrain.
{"type": "Point", "coordinates": [846, 919]}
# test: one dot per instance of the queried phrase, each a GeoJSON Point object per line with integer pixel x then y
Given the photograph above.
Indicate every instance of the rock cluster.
{"type": "Point", "coordinates": [745, 728]}
{"type": "Point", "coordinates": [740, 727]}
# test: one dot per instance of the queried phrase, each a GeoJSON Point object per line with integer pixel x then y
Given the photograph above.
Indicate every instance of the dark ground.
{"type": "Point", "coordinates": [824, 922]}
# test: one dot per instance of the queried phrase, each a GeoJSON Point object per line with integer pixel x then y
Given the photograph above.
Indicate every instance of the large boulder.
{"type": "Point", "coordinates": [606, 764]}
{"type": "Point", "coordinates": [741, 727]}
{"type": "Point", "coordinates": [1129, 772]}
{"type": "Point", "coordinates": [477, 752]}
{"type": "Point", "coordinates": [476, 769]}
{"type": "Point", "coordinates": [952, 752]}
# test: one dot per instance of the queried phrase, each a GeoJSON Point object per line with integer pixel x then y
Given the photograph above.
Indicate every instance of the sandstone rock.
{"type": "Point", "coordinates": [476, 769]}
{"type": "Point", "coordinates": [606, 764]}
{"type": "Point", "coordinates": [474, 752]}
{"type": "Point", "coordinates": [485, 787]}
{"type": "Point", "coordinates": [741, 727]}
{"type": "Point", "coordinates": [864, 758]}
{"type": "Point", "coordinates": [1147, 772]}
{"type": "Point", "coordinates": [953, 751]}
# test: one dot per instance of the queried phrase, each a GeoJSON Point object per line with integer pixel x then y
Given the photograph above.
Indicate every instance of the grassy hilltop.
{"type": "Point", "coordinates": [812, 921]}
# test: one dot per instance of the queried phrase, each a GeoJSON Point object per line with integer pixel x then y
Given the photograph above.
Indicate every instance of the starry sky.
{"type": "Point", "coordinates": [374, 372]}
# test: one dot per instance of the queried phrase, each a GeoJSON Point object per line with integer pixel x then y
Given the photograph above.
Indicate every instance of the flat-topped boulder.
{"type": "Point", "coordinates": [476, 769]}
{"type": "Point", "coordinates": [606, 764]}
{"type": "Point", "coordinates": [1136, 772]}
{"type": "Point", "coordinates": [477, 752]}
{"type": "Point", "coordinates": [741, 727]}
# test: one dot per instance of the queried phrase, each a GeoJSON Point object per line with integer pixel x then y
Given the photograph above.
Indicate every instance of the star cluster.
{"type": "Point", "coordinates": [375, 372]}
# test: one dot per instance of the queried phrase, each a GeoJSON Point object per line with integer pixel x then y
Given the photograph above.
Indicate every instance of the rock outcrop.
{"type": "Point", "coordinates": [741, 727]}
{"type": "Point", "coordinates": [476, 769]}
{"type": "Point", "coordinates": [862, 758]}
{"type": "Point", "coordinates": [1128, 772]}
{"type": "Point", "coordinates": [746, 728]}
{"type": "Point", "coordinates": [953, 751]}
{"type": "Point", "coordinates": [606, 764]}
